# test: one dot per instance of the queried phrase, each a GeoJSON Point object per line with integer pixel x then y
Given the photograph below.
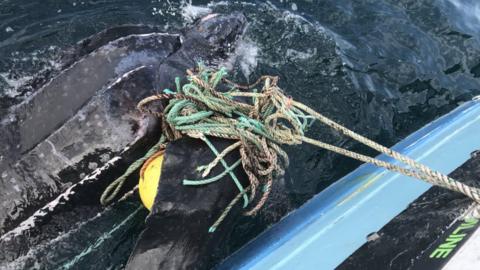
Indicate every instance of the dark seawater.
{"type": "Point", "coordinates": [382, 67]}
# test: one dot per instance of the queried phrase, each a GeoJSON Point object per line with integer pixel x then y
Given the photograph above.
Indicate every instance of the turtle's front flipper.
{"type": "Point", "coordinates": [71, 55]}
{"type": "Point", "coordinates": [88, 107]}
{"type": "Point", "coordinates": [51, 106]}
{"type": "Point", "coordinates": [176, 234]}
{"type": "Point", "coordinates": [94, 42]}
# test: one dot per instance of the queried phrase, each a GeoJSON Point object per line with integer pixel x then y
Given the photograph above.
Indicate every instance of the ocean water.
{"type": "Point", "coordinates": [383, 68]}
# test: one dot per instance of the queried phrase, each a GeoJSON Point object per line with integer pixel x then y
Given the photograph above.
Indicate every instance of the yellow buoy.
{"type": "Point", "coordinates": [149, 179]}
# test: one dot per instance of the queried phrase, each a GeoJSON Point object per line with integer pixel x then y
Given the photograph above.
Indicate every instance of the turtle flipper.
{"type": "Point", "coordinates": [97, 40]}
{"type": "Point", "coordinates": [176, 234]}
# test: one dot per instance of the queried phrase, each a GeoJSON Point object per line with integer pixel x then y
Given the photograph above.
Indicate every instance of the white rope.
{"type": "Point", "coordinates": [473, 211]}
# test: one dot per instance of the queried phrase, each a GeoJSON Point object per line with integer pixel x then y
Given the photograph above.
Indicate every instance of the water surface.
{"type": "Point", "coordinates": [383, 68]}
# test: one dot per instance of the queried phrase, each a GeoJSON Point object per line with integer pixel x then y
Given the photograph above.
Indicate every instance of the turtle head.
{"type": "Point", "coordinates": [221, 31]}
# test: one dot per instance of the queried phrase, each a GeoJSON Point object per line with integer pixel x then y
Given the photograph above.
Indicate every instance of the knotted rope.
{"type": "Point", "coordinates": [259, 128]}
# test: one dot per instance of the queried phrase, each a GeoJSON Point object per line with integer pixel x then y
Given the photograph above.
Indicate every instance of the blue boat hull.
{"type": "Point", "coordinates": [335, 223]}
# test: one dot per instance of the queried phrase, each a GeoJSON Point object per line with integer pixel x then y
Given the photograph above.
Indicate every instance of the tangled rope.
{"type": "Point", "coordinates": [259, 128]}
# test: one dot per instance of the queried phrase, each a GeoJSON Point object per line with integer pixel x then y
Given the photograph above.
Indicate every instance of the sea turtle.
{"type": "Point", "coordinates": [83, 121]}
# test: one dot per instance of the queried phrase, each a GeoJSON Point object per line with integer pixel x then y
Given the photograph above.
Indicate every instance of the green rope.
{"type": "Point", "coordinates": [227, 169]}
{"type": "Point", "coordinates": [215, 178]}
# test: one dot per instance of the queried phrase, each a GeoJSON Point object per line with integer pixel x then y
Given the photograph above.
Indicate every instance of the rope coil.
{"type": "Point", "coordinates": [259, 128]}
